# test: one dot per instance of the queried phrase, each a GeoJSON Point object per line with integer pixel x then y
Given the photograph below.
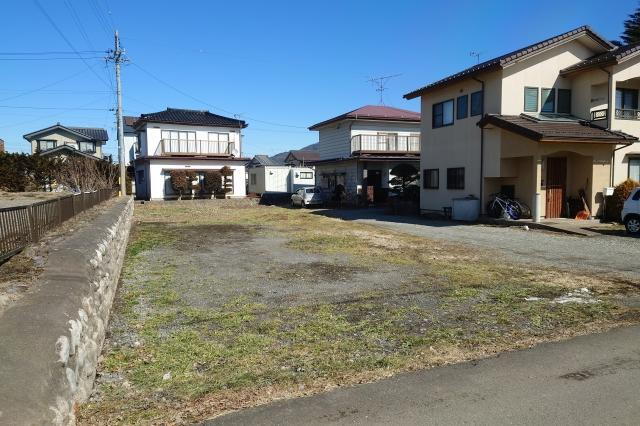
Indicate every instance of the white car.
{"type": "Point", "coordinates": [631, 212]}
{"type": "Point", "coordinates": [308, 196]}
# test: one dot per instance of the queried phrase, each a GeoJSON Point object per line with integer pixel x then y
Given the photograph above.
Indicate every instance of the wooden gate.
{"type": "Point", "coordinates": [556, 186]}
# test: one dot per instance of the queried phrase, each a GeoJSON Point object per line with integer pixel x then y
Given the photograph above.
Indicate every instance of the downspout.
{"type": "Point", "coordinates": [610, 114]}
{"type": "Point", "coordinates": [481, 148]}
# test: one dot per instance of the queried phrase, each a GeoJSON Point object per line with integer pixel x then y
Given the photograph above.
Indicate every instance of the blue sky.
{"type": "Point", "coordinates": [280, 65]}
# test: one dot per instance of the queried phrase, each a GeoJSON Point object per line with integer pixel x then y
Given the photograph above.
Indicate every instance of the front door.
{"type": "Point", "coordinates": [374, 178]}
{"type": "Point", "coordinates": [556, 186]}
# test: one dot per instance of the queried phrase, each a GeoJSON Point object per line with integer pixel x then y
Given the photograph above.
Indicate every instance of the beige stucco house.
{"type": "Point", "coordinates": [543, 122]}
{"type": "Point", "coordinates": [63, 141]}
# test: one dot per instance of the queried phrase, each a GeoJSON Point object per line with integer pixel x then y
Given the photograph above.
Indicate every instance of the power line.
{"type": "Point", "coordinates": [54, 108]}
{"type": "Point", "coordinates": [45, 86]}
{"type": "Point", "coordinates": [59, 31]}
{"type": "Point", "coordinates": [83, 58]}
{"type": "Point", "coordinates": [210, 105]}
{"type": "Point", "coordinates": [53, 52]}
{"type": "Point", "coordinates": [51, 115]}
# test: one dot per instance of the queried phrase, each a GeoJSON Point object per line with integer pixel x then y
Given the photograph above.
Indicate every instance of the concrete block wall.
{"type": "Point", "coordinates": [51, 339]}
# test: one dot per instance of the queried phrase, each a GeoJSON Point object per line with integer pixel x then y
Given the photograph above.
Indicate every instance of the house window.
{"type": "Point", "coordinates": [476, 103]}
{"type": "Point", "coordinates": [455, 178]}
{"type": "Point", "coordinates": [43, 145]}
{"type": "Point", "coordinates": [253, 179]}
{"type": "Point", "coordinates": [462, 107]}
{"type": "Point", "coordinates": [178, 142]}
{"type": "Point", "coordinates": [87, 147]}
{"type": "Point", "coordinates": [306, 175]}
{"type": "Point", "coordinates": [431, 178]}
{"type": "Point", "coordinates": [443, 114]}
{"type": "Point", "coordinates": [140, 177]}
{"type": "Point", "coordinates": [531, 99]}
{"type": "Point", "coordinates": [564, 101]}
{"type": "Point", "coordinates": [626, 98]}
{"type": "Point", "coordinates": [548, 100]}
{"type": "Point", "coordinates": [634, 168]}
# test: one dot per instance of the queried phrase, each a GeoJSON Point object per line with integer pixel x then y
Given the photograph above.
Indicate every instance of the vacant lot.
{"type": "Point", "coordinates": [224, 308]}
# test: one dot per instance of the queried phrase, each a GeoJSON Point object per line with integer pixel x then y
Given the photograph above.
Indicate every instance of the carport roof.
{"type": "Point", "coordinates": [542, 130]}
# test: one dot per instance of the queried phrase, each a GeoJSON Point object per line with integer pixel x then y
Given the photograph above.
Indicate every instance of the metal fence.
{"type": "Point", "coordinates": [22, 225]}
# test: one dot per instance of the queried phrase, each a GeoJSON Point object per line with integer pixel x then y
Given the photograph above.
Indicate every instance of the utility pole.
{"type": "Point", "coordinates": [117, 56]}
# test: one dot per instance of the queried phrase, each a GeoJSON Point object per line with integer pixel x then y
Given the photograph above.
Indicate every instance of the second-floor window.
{"type": "Point", "coordinates": [306, 175]}
{"type": "Point", "coordinates": [476, 103]}
{"type": "Point", "coordinates": [531, 99]}
{"type": "Point", "coordinates": [626, 98]}
{"type": "Point", "coordinates": [46, 144]}
{"type": "Point", "coordinates": [548, 100]}
{"type": "Point", "coordinates": [87, 146]}
{"type": "Point", "coordinates": [462, 107]}
{"type": "Point", "coordinates": [443, 114]}
{"type": "Point", "coordinates": [178, 136]}
{"type": "Point", "coordinates": [564, 101]}
{"type": "Point", "coordinates": [219, 137]}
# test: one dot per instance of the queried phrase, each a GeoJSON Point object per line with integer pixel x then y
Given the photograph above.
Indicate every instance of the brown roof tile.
{"type": "Point", "coordinates": [613, 56]}
{"type": "Point", "coordinates": [374, 112]}
{"type": "Point", "coordinates": [555, 131]}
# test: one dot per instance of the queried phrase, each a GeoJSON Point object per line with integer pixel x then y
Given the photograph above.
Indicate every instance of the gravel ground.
{"type": "Point", "coordinates": [611, 255]}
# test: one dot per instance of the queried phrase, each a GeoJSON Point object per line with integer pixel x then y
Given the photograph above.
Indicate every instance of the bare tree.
{"type": "Point", "coordinates": [81, 174]}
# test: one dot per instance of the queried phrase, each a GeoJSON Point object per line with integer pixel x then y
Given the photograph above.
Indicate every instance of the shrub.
{"type": "Point", "coordinates": [620, 195]}
{"type": "Point", "coordinates": [180, 182]}
{"type": "Point", "coordinates": [212, 182]}
{"type": "Point", "coordinates": [227, 182]}
{"type": "Point", "coordinates": [405, 176]}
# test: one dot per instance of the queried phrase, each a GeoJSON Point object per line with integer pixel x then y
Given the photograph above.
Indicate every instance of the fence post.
{"type": "Point", "coordinates": [59, 203]}
{"type": "Point", "coordinates": [32, 225]}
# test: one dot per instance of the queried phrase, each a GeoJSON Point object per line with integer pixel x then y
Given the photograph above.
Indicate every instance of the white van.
{"type": "Point", "coordinates": [631, 212]}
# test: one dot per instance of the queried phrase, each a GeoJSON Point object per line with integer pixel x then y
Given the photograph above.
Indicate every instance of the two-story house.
{"type": "Point", "coordinates": [63, 141]}
{"type": "Point", "coordinates": [183, 139]}
{"type": "Point", "coordinates": [359, 148]}
{"type": "Point", "coordinates": [543, 123]}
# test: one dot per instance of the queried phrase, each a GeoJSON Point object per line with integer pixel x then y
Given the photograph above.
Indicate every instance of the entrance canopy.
{"type": "Point", "coordinates": [556, 128]}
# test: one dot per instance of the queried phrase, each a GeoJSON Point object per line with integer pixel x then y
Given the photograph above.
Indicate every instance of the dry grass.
{"type": "Point", "coordinates": [456, 304]}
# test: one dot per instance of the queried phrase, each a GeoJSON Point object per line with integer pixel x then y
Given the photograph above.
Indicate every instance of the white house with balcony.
{"type": "Point", "coordinates": [183, 139]}
{"type": "Point", "coordinates": [358, 149]}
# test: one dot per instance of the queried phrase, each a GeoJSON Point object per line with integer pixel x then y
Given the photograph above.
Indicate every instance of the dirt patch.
{"type": "Point", "coordinates": [224, 309]}
{"type": "Point", "coordinates": [315, 271]}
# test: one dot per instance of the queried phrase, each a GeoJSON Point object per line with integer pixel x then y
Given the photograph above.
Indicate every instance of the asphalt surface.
{"type": "Point", "coordinates": [605, 254]}
{"type": "Point", "coordinates": [589, 380]}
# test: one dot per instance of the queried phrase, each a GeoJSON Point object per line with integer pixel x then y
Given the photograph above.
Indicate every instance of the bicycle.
{"type": "Point", "coordinates": [506, 208]}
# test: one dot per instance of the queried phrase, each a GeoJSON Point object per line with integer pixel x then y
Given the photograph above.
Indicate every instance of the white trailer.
{"type": "Point", "coordinates": [279, 179]}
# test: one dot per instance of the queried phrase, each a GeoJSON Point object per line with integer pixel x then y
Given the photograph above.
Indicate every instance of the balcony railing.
{"type": "Point", "coordinates": [621, 114]}
{"type": "Point", "coordinates": [600, 114]}
{"type": "Point", "coordinates": [385, 143]}
{"type": "Point", "coordinates": [627, 114]}
{"type": "Point", "coordinates": [194, 147]}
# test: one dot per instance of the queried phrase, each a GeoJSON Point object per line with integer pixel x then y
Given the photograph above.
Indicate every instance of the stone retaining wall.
{"type": "Point", "coordinates": [51, 339]}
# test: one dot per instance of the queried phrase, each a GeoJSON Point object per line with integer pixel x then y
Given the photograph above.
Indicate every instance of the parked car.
{"type": "Point", "coordinates": [631, 212]}
{"type": "Point", "coordinates": [308, 196]}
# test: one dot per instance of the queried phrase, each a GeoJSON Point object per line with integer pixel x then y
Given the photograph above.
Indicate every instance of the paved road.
{"type": "Point", "coordinates": [590, 380]}
{"type": "Point", "coordinates": [616, 255]}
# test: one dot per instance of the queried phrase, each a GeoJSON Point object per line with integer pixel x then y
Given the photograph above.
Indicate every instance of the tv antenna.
{"type": "Point", "coordinates": [476, 55]}
{"type": "Point", "coordinates": [381, 84]}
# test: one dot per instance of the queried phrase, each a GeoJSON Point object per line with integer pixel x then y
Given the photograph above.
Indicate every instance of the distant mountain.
{"type": "Point", "coordinates": [282, 155]}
